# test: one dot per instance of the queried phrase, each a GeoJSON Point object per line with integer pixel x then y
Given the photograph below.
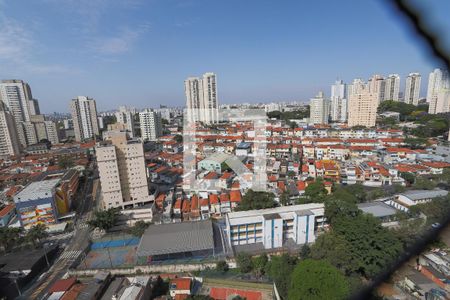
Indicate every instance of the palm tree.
{"type": "Point", "coordinates": [9, 236]}
{"type": "Point", "coordinates": [36, 233]}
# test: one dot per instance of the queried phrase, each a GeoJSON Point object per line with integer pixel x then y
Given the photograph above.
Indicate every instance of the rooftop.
{"type": "Point", "coordinates": [176, 238]}
{"type": "Point", "coordinates": [424, 194]}
{"type": "Point", "coordinates": [277, 210]}
{"type": "Point", "coordinates": [37, 190]}
{"type": "Point", "coordinates": [377, 209]}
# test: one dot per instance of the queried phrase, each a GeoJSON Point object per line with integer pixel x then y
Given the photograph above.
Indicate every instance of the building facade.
{"type": "Point", "coordinates": [201, 98]}
{"type": "Point", "coordinates": [438, 80]}
{"type": "Point", "coordinates": [319, 109]}
{"type": "Point", "coordinates": [16, 95]}
{"type": "Point", "coordinates": [273, 227]}
{"type": "Point", "coordinates": [9, 141]}
{"type": "Point", "coordinates": [150, 124]}
{"type": "Point", "coordinates": [412, 89]}
{"type": "Point", "coordinates": [392, 87]}
{"type": "Point", "coordinates": [84, 116]}
{"type": "Point", "coordinates": [126, 117]}
{"type": "Point", "coordinates": [338, 102]}
{"type": "Point", "coordinates": [362, 108]}
{"type": "Point", "coordinates": [123, 176]}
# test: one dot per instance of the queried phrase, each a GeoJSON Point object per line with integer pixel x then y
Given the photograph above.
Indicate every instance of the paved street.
{"type": "Point", "coordinates": [73, 250]}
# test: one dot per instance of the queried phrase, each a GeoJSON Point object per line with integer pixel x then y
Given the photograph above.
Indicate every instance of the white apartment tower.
{"type": "Point", "coordinates": [201, 98]}
{"type": "Point", "coordinates": [362, 108]}
{"type": "Point", "coordinates": [123, 177]}
{"type": "Point", "coordinates": [437, 82]}
{"type": "Point", "coordinates": [318, 109]}
{"type": "Point", "coordinates": [84, 116]}
{"type": "Point", "coordinates": [338, 110]}
{"type": "Point", "coordinates": [377, 84]}
{"type": "Point", "coordinates": [9, 142]}
{"type": "Point", "coordinates": [126, 117]}
{"type": "Point", "coordinates": [16, 95]}
{"type": "Point", "coordinates": [412, 89]}
{"type": "Point", "coordinates": [392, 87]}
{"type": "Point", "coordinates": [151, 124]}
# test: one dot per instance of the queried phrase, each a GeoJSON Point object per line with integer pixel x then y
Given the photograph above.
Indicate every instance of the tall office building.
{"type": "Point", "coordinates": [412, 89]}
{"type": "Point", "coordinates": [126, 117]}
{"type": "Point", "coordinates": [201, 98]}
{"type": "Point", "coordinates": [84, 116]}
{"type": "Point", "coordinates": [362, 108]}
{"type": "Point", "coordinates": [392, 87]}
{"type": "Point", "coordinates": [437, 81]}
{"type": "Point", "coordinates": [16, 95]}
{"type": "Point", "coordinates": [377, 84]}
{"type": "Point", "coordinates": [9, 142]}
{"type": "Point", "coordinates": [338, 109]}
{"type": "Point", "coordinates": [318, 109]}
{"type": "Point", "coordinates": [150, 124]}
{"type": "Point", "coordinates": [121, 165]}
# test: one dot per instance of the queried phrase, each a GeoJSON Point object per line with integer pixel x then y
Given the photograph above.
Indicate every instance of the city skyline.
{"type": "Point", "coordinates": [107, 58]}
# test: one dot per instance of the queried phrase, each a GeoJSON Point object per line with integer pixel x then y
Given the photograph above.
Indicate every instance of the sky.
{"type": "Point", "coordinates": [138, 52]}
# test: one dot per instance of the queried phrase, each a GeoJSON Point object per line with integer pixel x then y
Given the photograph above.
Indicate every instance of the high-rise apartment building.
{"type": "Point", "coordinates": [362, 108]}
{"type": "Point", "coordinates": [437, 81]}
{"type": "Point", "coordinates": [201, 98]}
{"type": "Point", "coordinates": [150, 124]}
{"type": "Point", "coordinates": [377, 84]}
{"type": "Point", "coordinates": [412, 89]}
{"type": "Point", "coordinates": [392, 87]}
{"type": "Point", "coordinates": [84, 116]}
{"type": "Point", "coordinates": [443, 101]}
{"type": "Point", "coordinates": [338, 109]}
{"type": "Point", "coordinates": [318, 109]}
{"type": "Point", "coordinates": [121, 165]}
{"type": "Point", "coordinates": [126, 117]}
{"type": "Point", "coordinates": [16, 95]}
{"type": "Point", "coordinates": [9, 142]}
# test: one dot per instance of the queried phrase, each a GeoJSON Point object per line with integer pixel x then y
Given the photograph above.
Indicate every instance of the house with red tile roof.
{"type": "Point", "coordinates": [180, 286]}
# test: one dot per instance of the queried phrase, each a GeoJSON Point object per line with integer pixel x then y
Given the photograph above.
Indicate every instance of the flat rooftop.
{"type": "Point", "coordinates": [377, 209]}
{"type": "Point", "coordinates": [424, 194]}
{"type": "Point", "coordinates": [176, 238]}
{"type": "Point", "coordinates": [37, 190]}
{"type": "Point", "coordinates": [316, 208]}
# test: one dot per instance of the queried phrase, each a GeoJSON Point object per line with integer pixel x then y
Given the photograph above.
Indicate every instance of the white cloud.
{"type": "Point", "coordinates": [17, 48]}
{"type": "Point", "coordinates": [121, 43]}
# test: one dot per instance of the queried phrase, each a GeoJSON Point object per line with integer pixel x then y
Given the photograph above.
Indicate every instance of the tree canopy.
{"type": "Point", "coordinates": [257, 200]}
{"type": "Point", "coordinates": [316, 191]}
{"type": "Point", "coordinates": [317, 279]}
{"type": "Point", "coordinates": [279, 269]}
{"type": "Point", "coordinates": [139, 228]}
{"type": "Point", "coordinates": [104, 219]}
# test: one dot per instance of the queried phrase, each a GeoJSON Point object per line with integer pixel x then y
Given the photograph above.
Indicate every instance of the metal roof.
{"type": "Point", "coordinates": [176, 238]}
{"type": "Point", "coordinates": [377, 209]}
{"type": "Point", "coordinates": [37, 190]}
{"type": "Point", "coordinates": [424, 194]}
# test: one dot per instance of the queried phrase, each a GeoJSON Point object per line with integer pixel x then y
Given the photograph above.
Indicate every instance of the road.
{"type": "Point", "coordinates": [74, 249]}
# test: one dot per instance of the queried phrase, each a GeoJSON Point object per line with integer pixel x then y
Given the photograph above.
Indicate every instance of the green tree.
{"type": "Point", "coordinates": [259, 264]}
{"type": "Point", "coordinates": [279, 269]}
{"type": "Point", "coordinates": [409, 177]}
{"type": "Point", "coordinates": [66, 162]}
{"type": "Point", "coordinates": [222, 266]}
{"type": "Point", "coordinates": [284, 198]}
{"type": "Point", "coordinates": [257, 200]}
{"type": "Point", "coordinates": [305, 252]}
{"type": "Point", "coordinates": [317, 279]}
{"type": "Point", "coordinates": [36, 233]}
{"type": "Point", "coordinates": [104, 219]}
{"type": "Point", "coordinates": [334, 249]}
{"type": "Point", "coordinates": [371, 246]}
{"type": "Point", "coordinates": [139, 228]}
{"type": "Point", "coordinates": [316, 191]}
{"type": "Point", "coordinates": [244, 262]}
{"type": "Point", "coordinates": [179, 138]}
{"type": "Point", "coordinates": [423, 183]}
{"type": "Point", "coordinates": [9, 236]}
